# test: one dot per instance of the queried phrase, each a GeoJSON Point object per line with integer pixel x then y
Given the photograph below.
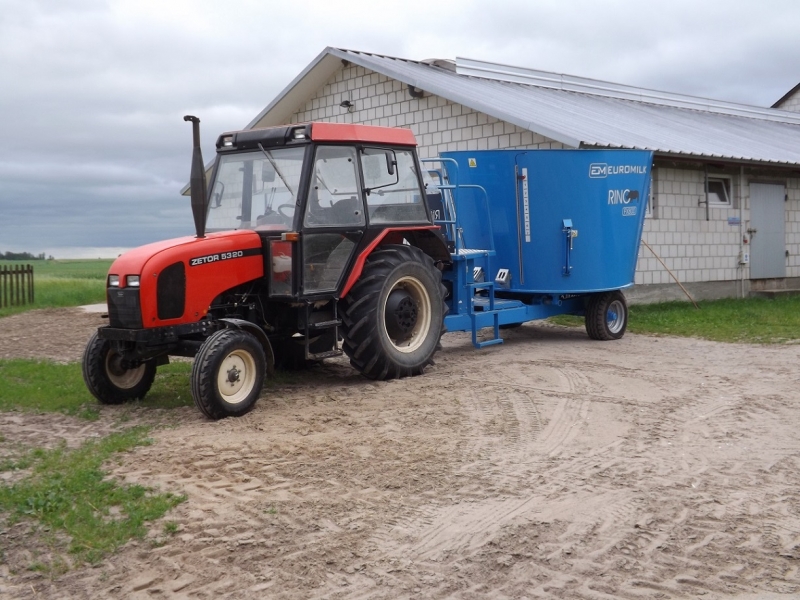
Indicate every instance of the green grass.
{"type": "Point", "coordinates": [67, 492]}
{"type": "Point", "coordinates": [44, 386]}
{"type": "Point", "coordinates": [66, 269]}
{"type": "Point", "coordinates": [750, 320]}
{"type": "Point", "coordinates": [62, 283]}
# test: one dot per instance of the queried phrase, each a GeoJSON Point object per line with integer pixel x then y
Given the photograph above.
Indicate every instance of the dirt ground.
{"type": "Point", "coordinates": [552, 466]}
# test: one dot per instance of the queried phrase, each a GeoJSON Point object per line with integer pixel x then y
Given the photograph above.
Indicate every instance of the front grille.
{"type": "Point", "coordinates": [123, 308]}
{"type": "Point", "coordinates": [171, 291]}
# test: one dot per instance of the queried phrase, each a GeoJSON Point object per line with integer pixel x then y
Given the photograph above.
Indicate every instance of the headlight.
{"type": "Point", "coordinates": [113, 281]}
{"type": "Point", "coordinates": [132, 281]}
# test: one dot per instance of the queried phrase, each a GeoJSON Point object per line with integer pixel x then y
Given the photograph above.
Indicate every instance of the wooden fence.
{"type": "Point", "coordinates": [16, 285]}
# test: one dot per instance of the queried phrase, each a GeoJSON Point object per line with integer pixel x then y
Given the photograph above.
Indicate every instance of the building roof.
{"type": "Point", "coordinates": [575, 111]}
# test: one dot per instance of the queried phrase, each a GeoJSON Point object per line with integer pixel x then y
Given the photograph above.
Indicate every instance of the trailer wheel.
{"type": "Point", "coordinates": [108, 379]}
{"type": "Point", "coordinates": [607, 316]}
{"type": "Point", "coordinates": [228, 374]}
{"type": "Point", "coordinates": [393, 317]}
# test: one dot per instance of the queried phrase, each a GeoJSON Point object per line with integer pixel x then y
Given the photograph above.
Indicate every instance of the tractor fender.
{"type": "Point", "coordinates": [426, 238]}
{"type": "Point", "coordinates": [254, 329]}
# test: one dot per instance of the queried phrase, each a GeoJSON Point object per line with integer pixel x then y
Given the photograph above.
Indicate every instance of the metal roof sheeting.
{"type": "Point", "coordinates": [583, 112]}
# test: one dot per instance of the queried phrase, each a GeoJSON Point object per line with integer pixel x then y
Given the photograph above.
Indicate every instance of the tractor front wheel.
{"type": "Point", "coordinates": [607, 316]}
{"type": "Point", "coordinates": [228, 374]}
{"type": "Point", "coordinates": [110, 378]}
{"type": "Point", "coordinates": [393, 318]}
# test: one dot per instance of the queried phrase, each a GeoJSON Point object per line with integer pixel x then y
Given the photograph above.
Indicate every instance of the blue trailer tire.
{"type": "Point", "coordinates": [607, 316]}
{"type": "Point", "coordinates": [393, 317]}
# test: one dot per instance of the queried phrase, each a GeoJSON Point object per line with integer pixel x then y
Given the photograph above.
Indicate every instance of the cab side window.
{"type": "Point", "coordinates": [334, 198]}
{"type": "Point", "coordinates": [393, 192]}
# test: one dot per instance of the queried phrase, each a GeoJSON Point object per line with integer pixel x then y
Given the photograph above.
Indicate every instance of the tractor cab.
{"type": "Point", "coordinates": [315, 193]}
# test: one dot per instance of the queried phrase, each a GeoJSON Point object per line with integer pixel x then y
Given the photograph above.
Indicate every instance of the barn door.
{"type": "Point", "coordinates": [768, 242]}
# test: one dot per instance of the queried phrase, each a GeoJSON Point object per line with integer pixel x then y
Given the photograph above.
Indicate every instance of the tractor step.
{"type": "Point", "coordinates": [330, 324]}
{"type": "Point", "coordinates": [328, 354]}
{"type": "Point", "coordinates": [325, 324]}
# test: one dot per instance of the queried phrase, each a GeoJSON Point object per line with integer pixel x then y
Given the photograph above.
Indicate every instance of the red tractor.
{"type": "Point", "coordinates": [306, 235]}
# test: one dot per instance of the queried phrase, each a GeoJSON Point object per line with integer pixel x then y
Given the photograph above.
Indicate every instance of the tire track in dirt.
{"type": "Point", "coordinates": [610, 509]}
{"type": "Point", "coordinates": [509, 443]}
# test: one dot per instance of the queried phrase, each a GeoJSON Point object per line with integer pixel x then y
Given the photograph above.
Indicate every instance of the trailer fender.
{"type": "Point", "coordinates": [255, 330]}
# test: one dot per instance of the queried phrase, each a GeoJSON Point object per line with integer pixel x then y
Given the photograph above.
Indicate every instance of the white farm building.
{"type": "Point", "coordinates": [724, 215]}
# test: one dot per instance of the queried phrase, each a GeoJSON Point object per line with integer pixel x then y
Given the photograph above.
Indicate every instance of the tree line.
{"type": "Point", "coordinates": [23, 256]}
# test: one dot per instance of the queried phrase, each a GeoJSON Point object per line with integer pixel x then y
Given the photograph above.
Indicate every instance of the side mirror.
{"type": "Point", "coordinates": [375, 177]}
{"type": "Point", "coordinates": [267, 174]}
{"type": "Point", "coordinates": [391, 162]}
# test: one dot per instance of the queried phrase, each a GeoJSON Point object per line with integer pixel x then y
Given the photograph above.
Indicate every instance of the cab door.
{"type": "Point", "coordinates": [333, 221]}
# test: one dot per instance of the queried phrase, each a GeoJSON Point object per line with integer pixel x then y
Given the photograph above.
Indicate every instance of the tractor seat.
{"type": "Point", "coordinates": [348, 211]}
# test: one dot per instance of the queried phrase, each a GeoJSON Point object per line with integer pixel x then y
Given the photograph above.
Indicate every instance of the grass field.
{"type": "Point", "coordinates": [95, 268]}
{"type": "Point", "coordinates": [59, 283]}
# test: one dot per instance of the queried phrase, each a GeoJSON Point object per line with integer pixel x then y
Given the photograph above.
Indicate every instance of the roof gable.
{"type": "Point", "coordinates": [787, 96]}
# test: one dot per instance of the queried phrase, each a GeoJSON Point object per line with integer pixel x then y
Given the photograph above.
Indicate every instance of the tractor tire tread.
{"type": "Point", "coordinates": [203, 378]}
{"type": "Point", "coordinates": [97, 382]}
{"type": "Point", "coordinates": [359, 314]}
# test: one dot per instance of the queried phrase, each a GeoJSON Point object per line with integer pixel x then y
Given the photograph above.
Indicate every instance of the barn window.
{"type": "Point", "coordinates": [719, 190]}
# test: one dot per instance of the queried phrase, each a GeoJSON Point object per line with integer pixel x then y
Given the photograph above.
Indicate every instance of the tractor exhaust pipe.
{"type": "Point", "coordinates": [197, 181]}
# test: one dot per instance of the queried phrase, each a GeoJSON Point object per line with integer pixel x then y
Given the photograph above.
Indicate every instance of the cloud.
{"type": "Point", "coordinates": [93, 92]}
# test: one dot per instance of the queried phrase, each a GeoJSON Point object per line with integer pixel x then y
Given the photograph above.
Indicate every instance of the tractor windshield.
{"type": "Point", "coordinates": [255, 189]}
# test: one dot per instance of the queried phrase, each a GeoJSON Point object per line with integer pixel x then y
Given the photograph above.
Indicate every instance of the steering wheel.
{"type": "Point", "coordinates": [284, 214]}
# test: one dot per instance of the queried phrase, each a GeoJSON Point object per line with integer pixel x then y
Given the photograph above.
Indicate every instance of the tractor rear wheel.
{"type": "Point", "coordinates": [228, 374]}
{"type": "Point", "coordinates": [607, 316]}
{"type": "Point", "coordinates": [109, 378]}
{"type": "Point", "coordinates": [393, 317]}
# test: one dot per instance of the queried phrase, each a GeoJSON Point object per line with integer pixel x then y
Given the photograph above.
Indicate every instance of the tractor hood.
{"type": "Point", "coordinates": [175, 281]}
{"type": "Point", "coordinates": [133, 262]}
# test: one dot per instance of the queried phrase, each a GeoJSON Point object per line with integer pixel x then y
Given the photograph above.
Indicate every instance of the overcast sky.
{"type": "Point", "coordinates": [92, 93]}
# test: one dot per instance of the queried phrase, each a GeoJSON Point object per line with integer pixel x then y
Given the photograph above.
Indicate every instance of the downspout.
{"type": "Point", "coordinates": [741, 232]}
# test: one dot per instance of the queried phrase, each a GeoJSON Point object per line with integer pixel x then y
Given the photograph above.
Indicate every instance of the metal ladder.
{"type": "Point", "coordinates": [476, 287]}
{"type": "Point", "coordinates": [468, 256]}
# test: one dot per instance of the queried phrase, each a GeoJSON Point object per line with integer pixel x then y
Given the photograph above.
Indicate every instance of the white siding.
{"type": "Point", "coordinates": [700, 250]}
{"type": "Point", "coordinates": [438, 124]}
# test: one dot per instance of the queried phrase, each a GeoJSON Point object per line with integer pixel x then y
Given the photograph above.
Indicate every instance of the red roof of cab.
{"type": "Point", "coordinates": [347, 132]}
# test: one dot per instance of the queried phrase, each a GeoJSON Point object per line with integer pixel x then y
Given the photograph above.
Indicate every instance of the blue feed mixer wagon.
{"type": "Point", "coordinates": [537, 233]}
